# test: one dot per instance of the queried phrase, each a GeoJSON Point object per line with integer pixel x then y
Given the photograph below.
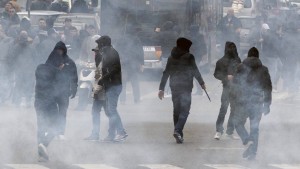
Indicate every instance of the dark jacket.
{"type": "Point", "coordinates": [111, 67]}
{"type": "Point", "coordinates": [252, 84]}
{"type": "Point", "coordinates": [227, 65]}
{"type": "Point", "coordinates": [181, 68]}
{"type": "Point", "coordinates": [67, 79]}
{"type": "Point", "coordinates": [79, 6]}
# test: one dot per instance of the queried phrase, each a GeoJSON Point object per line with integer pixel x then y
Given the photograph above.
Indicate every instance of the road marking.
{"type": "Point", "coordinates": [160, 166]}
{"type": "Point", "coordinates": [286, 166]}
{"type": "Point", "coordinates": [94, 166]}
{"type": "Point", "coordinates": [219, 148]}
{"type": "Point", "coordinates": [26, 166]}
{"type": "Point", "coordinates": [225, 166]}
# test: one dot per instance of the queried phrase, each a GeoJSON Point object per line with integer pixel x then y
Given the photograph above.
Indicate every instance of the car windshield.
{"type": "Point", "coordinates": [247, 23]}
{"type": "Point", "coordinates": [246, 3]}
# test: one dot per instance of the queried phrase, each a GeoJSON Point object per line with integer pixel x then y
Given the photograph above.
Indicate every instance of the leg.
{"type": "Point", "coordinates": [96, 109]}
{"type": "Point", "coordinates": [176, 107]}
{"type": "Point", "coordinates": [115, 123]}
{"type": "Point", "coordinates": [240, 119]}
{"type": "Point", "coordinates": [223, 109]}
{"type": "Point", "coordinates": [255, 118]}
{"type": "Point", "coordinates": [135, 87]}
{"type": "Point", "coordinates": [230, 123]}
{"type": "Point", "coordinates": [63, 104]}
{"type": "Point", "coordinates": [184, 111]}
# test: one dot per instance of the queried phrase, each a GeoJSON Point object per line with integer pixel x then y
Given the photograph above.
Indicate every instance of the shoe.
{"type": "Point", "coordinates": [61, 137]}
{"type": "Point", "coordinates": [43, 153]}
{"type": "Point", "coordinates": [251, 157]}
{"type": "Point", "coordinates": [218, 136]}
{"type": "Point", "coordinates": [108, 139]}
{"type": "Point", "coordinates": [92, 137]}
{"type": "Point", "coordinates": [178, 137]}
{"type": "Point", "coordinates": [232, 137]}
{"type": "Point", "coordinates": [120, 137]}
{"type": "Point", "coordinates": [248, 152]}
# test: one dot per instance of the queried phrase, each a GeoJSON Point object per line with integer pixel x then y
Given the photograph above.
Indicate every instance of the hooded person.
{"type": "Point", "coordinates": [251, 96]}
{"type": "Point", "coordinates": [45, 104]}
{"type": "Point", "coordinates": [181, 68]}
{"type": "Point", "coordinates": [112, 82]}
{"type": "Point", "coordinates": [224, 71]}
{"type": "Point", "coordinates": [67, 82]}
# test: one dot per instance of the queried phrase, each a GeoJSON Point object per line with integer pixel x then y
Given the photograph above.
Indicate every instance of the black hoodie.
{"type": "Point", "coordinates": [181, 68]}
{"type": "Point", "coordinates": [252, 83]}
{"type": "Point", "coordinates": [67, 79]}
{"type": "Point", "coordinates": [227, 65]}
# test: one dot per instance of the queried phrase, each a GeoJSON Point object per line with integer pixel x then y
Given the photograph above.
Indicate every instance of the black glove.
{"type": "Point", "coordinates": [73, 93]}
{"type": "Point", "coordinates": [100, 82]}
{"type": "Point", "coordinates": [266, 110]}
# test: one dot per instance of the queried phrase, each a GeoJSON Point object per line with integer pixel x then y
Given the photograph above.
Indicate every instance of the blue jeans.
{"type": "Point", "coordinates": [115, 123]}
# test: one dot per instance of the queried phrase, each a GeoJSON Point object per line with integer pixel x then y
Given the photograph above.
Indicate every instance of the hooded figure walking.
{"type": "Point", "coordinates": [67, 82]}
{"type": "Point", "coordinates": [224, 72]}
{"type": "Point", "coordinates": [181, 68]}
{"type": "Point", "coordinates": [45, 104]}
{"type": "Point", "coordinates": [250, 97]}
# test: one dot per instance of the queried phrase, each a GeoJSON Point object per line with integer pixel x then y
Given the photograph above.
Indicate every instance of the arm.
{"type": "Point", "coordinates": [197, 73]}
{"type": "Point", "coordinates": [267, 87]}
{"type": "Point", "coordinates": [219, 73]}
{"type": "Point", "coordinates": [74, 80]}
{"type": "Point", "coordinates": [166, 75]}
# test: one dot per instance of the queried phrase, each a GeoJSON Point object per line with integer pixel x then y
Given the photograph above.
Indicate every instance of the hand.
{"type": "Point", "coordinates": [203, 86]}
{"type": "Point", "coordinates": [100, 82]}
{"type": "Point", "coordinates": [266, 110]}
{"type": "Point", "coordinates": [229, 77]}
{"type": "Point", "coordinates": [161, 94]}
{"type": "Point", "coordinates": [73, 94]}
{"type": "Point", "coordinates": [142, 68]}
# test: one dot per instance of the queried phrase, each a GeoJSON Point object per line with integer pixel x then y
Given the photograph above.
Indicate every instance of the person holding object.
{"type": "Point", "coordinates": [181, 68]}
{"type": "Point", "coordinates": [250, 97]}
{"type": "Point", "coordinates": [225, 68]}
{"type": "Point", "coordinates": [99, 98]}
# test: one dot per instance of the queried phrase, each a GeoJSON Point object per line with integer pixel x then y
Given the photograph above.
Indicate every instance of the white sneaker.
{"type": "Point", "coordinates": [218, 136]}
{"type": "Point", "coordinates": [232, 137]}
{"type": "Point", "coordinates": [43, 153]}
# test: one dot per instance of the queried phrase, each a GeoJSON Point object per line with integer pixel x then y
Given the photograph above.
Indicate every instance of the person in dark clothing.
{"type": "Point", "coordinates": [79, 6]}
{"type": "Point", "coordinates": [73, 40]}
{"type": "Point", "coordinates": [112, 82]}
{"type": "Point", "coordinates": [45, 105]}
{"type": "Point", "coordinates": [199, 48]}
{"type": "Point", "coordinates": [59, 6]}
{"type": "Point", "coordinates": [99, 98]}
{"type": "Point", "coordinates": [39, 5]}
{"type": "Point", "coordinates": [224, 72]}
{"type": "Point", "coordinates": [251, 96]}
{"type": "Point", "coordinates": [181, 68]}
{"type": "Point", "coordinates": [132, 60]}
{"type": "Point", "coordinates": [67, 82]}
{"type": "Point", "coordinates": [230, 27]}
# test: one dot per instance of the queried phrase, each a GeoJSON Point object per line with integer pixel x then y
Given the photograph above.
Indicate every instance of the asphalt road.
{"type": "Point", "coordinates": [150, 143]}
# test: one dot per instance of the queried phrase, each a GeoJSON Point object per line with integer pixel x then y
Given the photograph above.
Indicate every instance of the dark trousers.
{"type": "Point", "coordinates": [133, 79]}
{"type": "Point", "coordinates": [63, 104]}
{"type": "Point", "coordinates": [242, 113]}
{"type": "Point", "coordinates": [46, 121]}
{"type": "Point", "coordinates": [182, 105]}
{"type": "Point", "coordinates": [223, 110]}
{"type": "Point", "coordinates": [115, 123]}
{"type": "Point", "coordinates": [96, 109]}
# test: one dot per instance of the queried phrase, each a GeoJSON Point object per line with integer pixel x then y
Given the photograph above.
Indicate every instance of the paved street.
{"type": "Point", "coordinates": [150, 144]}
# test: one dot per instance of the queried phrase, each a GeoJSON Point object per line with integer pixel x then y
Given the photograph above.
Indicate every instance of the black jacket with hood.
{"type": "Point", "coordinates": [111, 64]}
{"type": "Point", "coordinates": [45, 75]}
{"type": "Point", "coordinates": [181, 68]}
{"type": "Point", "coordinates": [252, 84]}
{"type": "Point", "coordinates": [227, 65]}
{"type": "Point", "coordinates": [67, 79]}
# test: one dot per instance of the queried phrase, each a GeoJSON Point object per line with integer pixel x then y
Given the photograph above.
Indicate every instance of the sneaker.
{"type": "Point", "coordinates": [232, 137]}
{"type": "Point", "coordinates": [251, 157]}
{"type": "Point", "coordinates": [218, 136]}
{"type": "Point", "coordinates": [108, 139]}
{"type": "Point", "coordinates": [92, 137]}
{"type": "Point", "coordinates": [248, 152]}
{"type": "Point", "coordinates": [43, 153]}
{"type": "Point", "coordinates": [121, 137]}
{"type": "Point", "coordinates": [179, 139]}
